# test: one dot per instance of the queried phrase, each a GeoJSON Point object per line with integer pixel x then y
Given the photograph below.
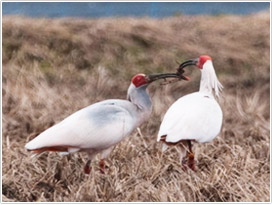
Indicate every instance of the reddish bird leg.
{"type": "Point", "coordinates": [87, 167]}
{"type": "Point", "coordinates": [102, 166]}
{"type": "Point", "coordinates": [191, 161]}
{"type": "Point", "coordinates": [191, 157]}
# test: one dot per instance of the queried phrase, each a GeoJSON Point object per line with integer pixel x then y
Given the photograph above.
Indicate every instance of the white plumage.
{"type": "Point", "coordinates": [98, 127]}
{"type": "Point", "coordinates": [194, 117]}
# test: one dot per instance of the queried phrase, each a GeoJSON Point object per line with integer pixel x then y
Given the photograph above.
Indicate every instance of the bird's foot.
{"type": "Point", "coordinates": [102, 166]}
{"type": "Point", "coordinates": [87, 167]}
{"type": "Point", "coordinates": [87, 170]}
{"type": "Point", "coordinates": [192, 166]}
{"type": "Point", "coordinates": [191, 161]}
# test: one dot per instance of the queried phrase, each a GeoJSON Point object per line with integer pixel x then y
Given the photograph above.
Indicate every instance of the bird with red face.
{"type": "Point", "coordinates": [196, 117]}
{"type": "Point", "coordinates": [99, 127]}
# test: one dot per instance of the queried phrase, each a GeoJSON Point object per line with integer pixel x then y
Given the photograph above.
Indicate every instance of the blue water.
{"type": "Point", "coordinates": [108, 9]}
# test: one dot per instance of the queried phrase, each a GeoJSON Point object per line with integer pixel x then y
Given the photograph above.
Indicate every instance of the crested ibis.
{"type": "Point", "coordinates": [196, 117]}
{"type": "Point", "coordinates": [100, 126]}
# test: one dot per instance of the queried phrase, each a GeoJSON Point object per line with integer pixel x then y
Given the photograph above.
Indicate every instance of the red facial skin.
{"type": "Point", "coordinates": [139, 80]}
{"type": "Point", "coordinates": [202, 60]}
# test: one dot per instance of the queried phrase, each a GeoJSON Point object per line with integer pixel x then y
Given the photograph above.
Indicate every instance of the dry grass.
{"type": "Point", "coordinates": [51, 68]}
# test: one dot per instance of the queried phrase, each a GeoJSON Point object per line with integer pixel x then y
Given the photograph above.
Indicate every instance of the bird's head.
{"type": "Point", "coordinates": [139, 80]}
{"type": "Point", "coordinates": [199, 62]}
{"type": "Point", "coordinates": [142, 79]}
{"type": "Point", "coordinates": [209, 81]}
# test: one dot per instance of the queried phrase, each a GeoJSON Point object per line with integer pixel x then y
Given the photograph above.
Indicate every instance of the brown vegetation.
{"type": "Point", "coordinates": [53, 67]}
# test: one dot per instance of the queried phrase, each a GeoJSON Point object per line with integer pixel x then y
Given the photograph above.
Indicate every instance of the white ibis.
{"type": "Point", "coordinates": [98, 127]}
{"type": "Point", "coordinates": [196, 117]}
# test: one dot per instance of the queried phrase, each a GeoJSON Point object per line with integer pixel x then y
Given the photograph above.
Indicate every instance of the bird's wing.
{"type": "Point", "coordinates": [195, 116]}
{"type": "Point", "coordinates": [98, 126]}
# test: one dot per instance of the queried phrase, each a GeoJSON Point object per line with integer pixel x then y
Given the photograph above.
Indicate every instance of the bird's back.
{"type": "Point", "coordinates": [97, 126]}
{"type": "Point", "coordinates": [196, 116]}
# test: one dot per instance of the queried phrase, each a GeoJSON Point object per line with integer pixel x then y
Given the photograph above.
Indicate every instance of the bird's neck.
{"type": "Point", "coordinates": [140, 98]}
{"type": "Point", "coordinates": [209, 82]}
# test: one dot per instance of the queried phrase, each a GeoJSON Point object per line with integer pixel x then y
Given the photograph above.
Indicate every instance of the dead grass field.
{"type": "Point", "coordinates": [53, 67]}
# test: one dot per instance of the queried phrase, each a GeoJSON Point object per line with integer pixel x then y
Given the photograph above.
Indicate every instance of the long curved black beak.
{"type": "Point", "coordinates": [187, 63]}
{"type": "Point", "coordinates": [154, 77]}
